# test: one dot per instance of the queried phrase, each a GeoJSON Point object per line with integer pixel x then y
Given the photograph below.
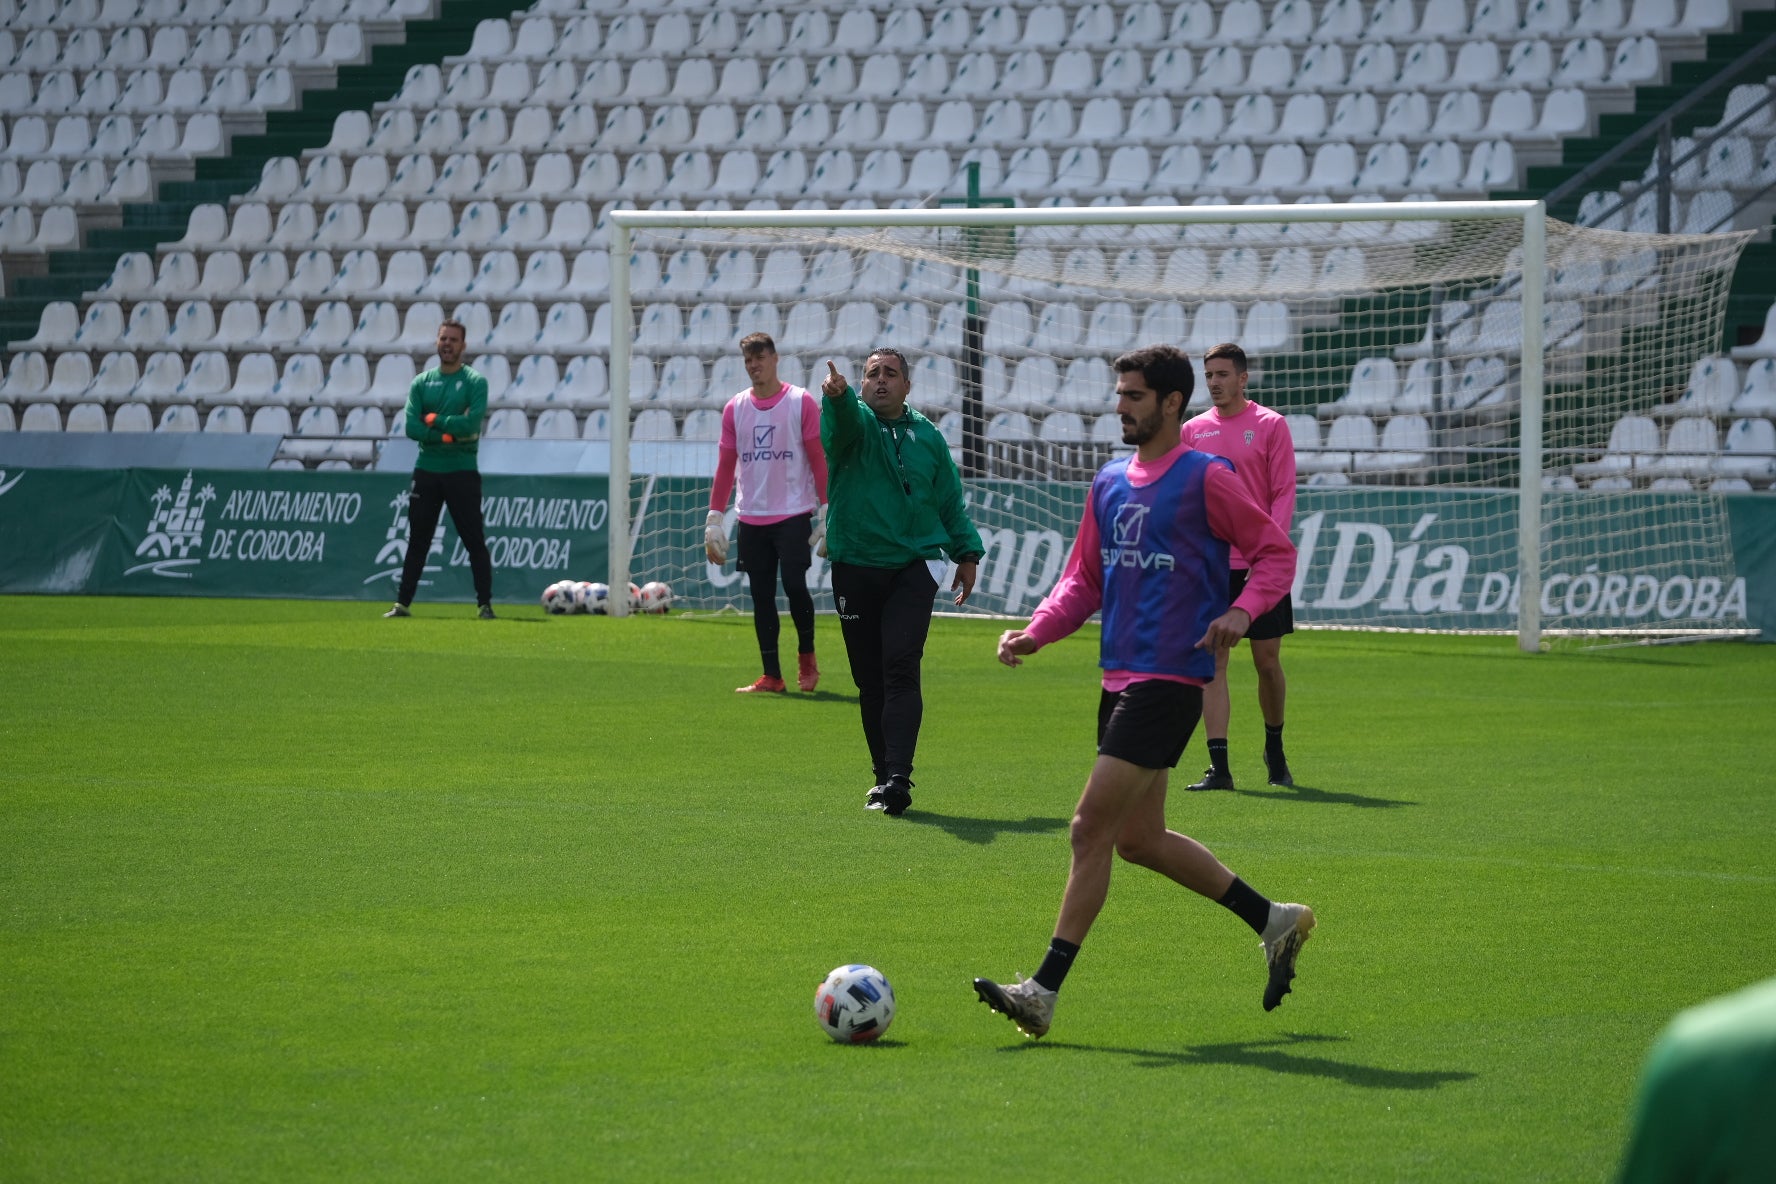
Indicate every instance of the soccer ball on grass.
{"type": "Point", "coordinates": [558, 598]}
{"type": "Point", "coordinates": [656, 597]}
{"type": "Point", "coordinates": [854, 1004]}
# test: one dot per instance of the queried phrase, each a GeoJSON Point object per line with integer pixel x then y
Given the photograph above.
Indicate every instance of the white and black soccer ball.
{"type": "Point", "coordinates": [597, 598]}
{"type": "Point", "coordinates": [854, 1004]}
{"type": "Point", "coordinates": [656, 597]}
{"type": "Point", "coordinates": [634, 599]}
{"type": "Point", "coordinates": [558, 598]}
{"type": "Point", "coordinates": [582, 596]}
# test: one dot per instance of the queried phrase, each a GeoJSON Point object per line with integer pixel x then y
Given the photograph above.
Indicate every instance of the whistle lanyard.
{"type": "Point", "coordinates": [906, 484]}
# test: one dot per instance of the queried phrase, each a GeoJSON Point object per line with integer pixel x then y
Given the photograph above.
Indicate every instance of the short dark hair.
{"type": "Point", "coordinates": [1164, 368]}
{"type": "Point", "coordinates": [1231, 352]}
{"type": "Point", "coordinates": [757, 343]}
{"type": "Point", "coordinates": [893, 353]}
{"type": "Point", "coordinates": [453, 323]}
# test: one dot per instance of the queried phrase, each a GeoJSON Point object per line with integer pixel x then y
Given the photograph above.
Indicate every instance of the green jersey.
{"type": "Point", "coordinates": [894, 492]}
{"type": "Point", "coordinates": [1707, 1103]}
{"type": "Point", "coordinates": [460, 403]}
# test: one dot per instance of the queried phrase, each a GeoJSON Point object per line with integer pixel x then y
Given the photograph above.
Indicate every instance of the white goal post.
{"type": "Point", "coordinates": [1026, 305]}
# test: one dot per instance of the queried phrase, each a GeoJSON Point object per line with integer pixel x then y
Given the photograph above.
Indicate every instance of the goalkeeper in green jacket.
{"type": "Point", "coordinates": [895, 511]}
{"type": "Point", "coordinates": [445, 409]}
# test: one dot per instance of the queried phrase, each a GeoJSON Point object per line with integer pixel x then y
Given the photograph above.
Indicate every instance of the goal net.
{"type": "Point", "coordinates": [1466, 383]}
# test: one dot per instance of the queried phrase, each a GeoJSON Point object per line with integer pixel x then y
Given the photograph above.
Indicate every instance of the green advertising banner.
{"type": "Point", "coordinates": [332, 535]}
{"type": "Point", "coordinates": [1392, 558]}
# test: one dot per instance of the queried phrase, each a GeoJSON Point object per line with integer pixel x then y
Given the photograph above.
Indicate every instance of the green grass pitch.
{"type": "Point", "coordinates": [288, 891]}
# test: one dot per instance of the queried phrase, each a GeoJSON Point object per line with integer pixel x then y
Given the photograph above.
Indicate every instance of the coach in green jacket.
{"type": "Point", "coordinates": [445, 408]}
{"type": "Point", "coordinates": [895, 511]}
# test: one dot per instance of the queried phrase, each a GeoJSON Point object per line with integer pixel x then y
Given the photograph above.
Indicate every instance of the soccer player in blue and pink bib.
{"type": "Point", "coordinates": [1153, 555]}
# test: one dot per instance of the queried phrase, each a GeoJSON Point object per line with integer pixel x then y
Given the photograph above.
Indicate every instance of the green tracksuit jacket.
{"type": "Point", "coordinates": [460, 401]}
{"type": "Point", "coordinates": [894, 493]}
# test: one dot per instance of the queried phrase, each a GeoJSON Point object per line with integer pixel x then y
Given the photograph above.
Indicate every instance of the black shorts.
{"type": "Point", "coordinates": [1278, 621]}
{"type": "Point", "coordinates": [1148, 723]}
{"type": "Point", "coordinates": [763, 549]}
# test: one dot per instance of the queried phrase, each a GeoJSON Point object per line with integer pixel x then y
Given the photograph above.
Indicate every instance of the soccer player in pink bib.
{"type": "Point", "coordinates": [770, 448]}
{"type": "Point", "coordinates": [1256, 439]}
{"type": "Point", "coordinates": [1152, 554]}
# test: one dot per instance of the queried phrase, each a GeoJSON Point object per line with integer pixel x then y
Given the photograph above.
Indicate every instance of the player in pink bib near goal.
{"type": "Point", "coordinates": [770, 458]}
{"type": "Point", "coordinates": [1256, 439]}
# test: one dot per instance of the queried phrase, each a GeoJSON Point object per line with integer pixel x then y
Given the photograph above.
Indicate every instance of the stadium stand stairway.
{"type": "Point", "coordinates": [1315, 376]}
{"type": "Point", "coordinates": [1754, 284]}
{"type": "Point", "coordinates": [392, 47]}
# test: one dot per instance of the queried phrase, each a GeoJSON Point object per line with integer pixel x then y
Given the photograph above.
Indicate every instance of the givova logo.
{"type": "Point", "coordinates": [1130, 518]}
{"type": "Point", "coordinates": [764, 435]}
{"type": "Point", "coordinates": [175, 529]}
{"type": "Point", "coordinates": [1125, 533]}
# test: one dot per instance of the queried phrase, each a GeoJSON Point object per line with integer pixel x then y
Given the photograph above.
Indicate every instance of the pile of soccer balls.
{"type": "Point", "coordinates": [585, 596]}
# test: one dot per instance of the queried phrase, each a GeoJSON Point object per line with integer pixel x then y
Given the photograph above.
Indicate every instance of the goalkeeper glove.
{"type": "Point", "coordinates": [715, 538]}
{"type": "Point", "coordinates": [819, 537]}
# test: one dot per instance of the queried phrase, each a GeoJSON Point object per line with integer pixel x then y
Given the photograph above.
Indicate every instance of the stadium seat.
{"type": "Point", "coordinates": [1404, 449]}
{"type": "Point", "coordinates": [272, 421]}
{"type": "Point", "coordinates": [70, 378]}
{"type": "Point", "coordinates": [391, 381]}
{"type": "Point", "coordinates": [225, 420]}
{"type": "Point", "coordinates": [1215, 322]}
{"type": "Point", "coordinates": [1633, 444]}
{"type": "Point", "coordinates": [300, 384]}
{"type": "Point", "coordinates": [1304, 434]}
{"type": "Point", "coordinates": [506, 423]}
{"type": "Point", "coordinates": [347, 383]}
{"type": "Point", "coordinates": [1690, 451]}
{"type": "Point", "coordinates": [178, 418]}
{"type": "Point", "coordinates": [1349, 437]}
{"type": "Point", "coordinates": [85, 417]}
{"type": "Point", "coordinates": [654, 423]}
{"type": "Point", "coordinates": [1107, 429]}
{"type": "Point", "coordinates": [268, 276]}
{"type": "Point", "coordinates": [101, 328]}
{"type": "Point", "coordinates": [161, 377]}
{"type": "Point", "coordinates": [1712, 389]}
{"type": "Point", "coordinates": [555, 423]}
{"type": "Point", "coordinates": [1267, 327]}
{"type": "Point", "coordinates": [132, 417]}
{"type": "Point", "coordinates": [1758, 394]}
{"type": "Point", "coordinates": [533, 383]}
{"type": "Point", "coordinates": [1033, 386]}
{"type": "Point", "coordinates": [1111, 327]}
{"type": "Point", "coordinates": [1750, 452]}
{"type": "Point", "coordinates": [25, 378]}
{"type": "Point", "coordinates": [1086, 386]}
{"type": "Point", "coordinates": [115, 378]}
{"type": "Point", "coordinates": [40, 417]}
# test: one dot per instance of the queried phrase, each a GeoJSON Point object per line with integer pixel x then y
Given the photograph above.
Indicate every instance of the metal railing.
{"type": "Point", "coordinates": [1659, 128]}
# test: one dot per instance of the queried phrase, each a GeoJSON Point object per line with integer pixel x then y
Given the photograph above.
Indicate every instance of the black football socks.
{"type": "Point", "coordinates": [1273, 742]}
{"type": "Point", "coordinates": [1056, 964]}
{"type": "Point", "coordinates": [1246, 904]}
{"type": "Point", "coordinates": [1218, 757]}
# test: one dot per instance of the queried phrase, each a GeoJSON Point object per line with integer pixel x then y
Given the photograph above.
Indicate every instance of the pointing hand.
{"type": "Point", "coordinates": [835, 384]}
